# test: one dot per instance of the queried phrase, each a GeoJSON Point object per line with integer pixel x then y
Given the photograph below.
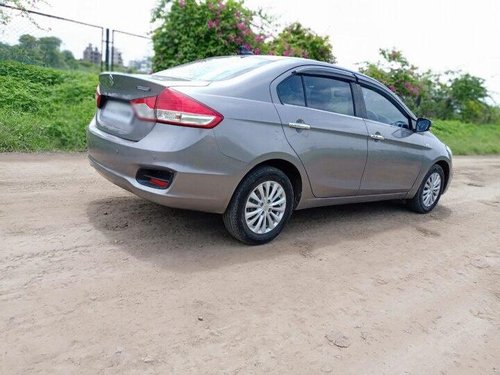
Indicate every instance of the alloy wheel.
{"type": "Point", "coordinates": [432, 189]}
{"type": "Point", "coordinates": [265, 207]}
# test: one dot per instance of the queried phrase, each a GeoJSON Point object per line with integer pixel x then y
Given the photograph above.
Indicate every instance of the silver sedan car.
{"type": "Point", "coordinates": [255, 137]}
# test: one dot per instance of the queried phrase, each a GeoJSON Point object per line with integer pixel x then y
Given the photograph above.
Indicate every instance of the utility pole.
{"type": "Point", "coordinates": [106, 58]}
{"type": "Point", "coordinates": [112, 50]}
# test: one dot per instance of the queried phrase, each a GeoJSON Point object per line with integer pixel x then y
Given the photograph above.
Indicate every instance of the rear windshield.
{"type": "Point", "coordinates": [215, 69]}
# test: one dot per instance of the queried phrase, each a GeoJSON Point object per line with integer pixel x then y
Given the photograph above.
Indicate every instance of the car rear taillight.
{"type": "Point", "coordinates": [172, 107]}
{"type": "Point", "coordinates": [98, 97]}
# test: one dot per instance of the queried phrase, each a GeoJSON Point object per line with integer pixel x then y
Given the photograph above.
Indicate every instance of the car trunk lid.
{"type": "Point", "coordinates": [115, 114]}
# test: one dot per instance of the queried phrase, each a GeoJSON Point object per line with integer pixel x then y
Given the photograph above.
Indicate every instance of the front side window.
{"type": "Point", "coordinates": [381, 109]}
{"type": "Point", "coordinates": [329, 94]}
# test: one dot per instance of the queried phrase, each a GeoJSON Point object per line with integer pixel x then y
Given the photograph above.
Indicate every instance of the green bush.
{"type": "Point", "coordinates": [33, 74]}
{"type": "Point", "coordinates": [43, 109]}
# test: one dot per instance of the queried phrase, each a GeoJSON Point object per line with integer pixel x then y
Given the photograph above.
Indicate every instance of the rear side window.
{"type": "Point", "coordinates": [329, 94]}
{"type": "Point", "coordinates": [291, 91]}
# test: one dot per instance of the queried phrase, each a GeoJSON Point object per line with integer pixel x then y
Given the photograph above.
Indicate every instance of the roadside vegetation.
{"type": "Point", "coordinates": [43, 109]}
{"type": "Point", "coordinates": [452, 95]}
{"type": "Point", "coordinates": [45, 51]}
{"type": "Point", "coordinates": [468, 139]}
{"type": "Point", "coordinates": [47, 96]}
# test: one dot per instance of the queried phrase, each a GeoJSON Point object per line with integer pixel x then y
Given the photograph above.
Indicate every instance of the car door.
{"type": "Point", "coordinates": [318, 117]}
{"type": "Point", "coordinates": [394, 150]}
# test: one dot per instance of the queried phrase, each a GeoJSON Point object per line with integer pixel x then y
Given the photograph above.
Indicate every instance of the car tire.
{"type": "Point", "coordinates": [429, 192]}
{"type": "Point", "coordinates": [260, 207]}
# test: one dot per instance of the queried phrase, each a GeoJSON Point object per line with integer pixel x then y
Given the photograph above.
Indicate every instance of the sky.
{"type": "Point", "coordinates": [439, 35]}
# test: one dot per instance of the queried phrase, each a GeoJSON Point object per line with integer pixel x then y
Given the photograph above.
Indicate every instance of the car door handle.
{"type": "Point", "coordinates": [377, 137]}
{"type": "Point", "coordinates": [297, 125]}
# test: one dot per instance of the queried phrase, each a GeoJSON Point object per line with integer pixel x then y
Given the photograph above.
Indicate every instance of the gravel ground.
{"type": "Point", "coordinates": [96, 281]}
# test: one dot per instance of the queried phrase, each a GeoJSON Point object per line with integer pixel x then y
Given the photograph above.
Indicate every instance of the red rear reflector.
{"type": "Point", "coordinates": [98, 97]}
{"type": "Point", "coordinates": [158, 182]}
{"type": "Point", "coordinates": [172, 107]}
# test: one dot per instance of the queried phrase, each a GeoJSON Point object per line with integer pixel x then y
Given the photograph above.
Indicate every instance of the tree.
{"type": "Point", "coordinates": [452, 95]}
{"type": "Point", "coordinates": [398, 75]}
{"type": "Point", "coordinates": [69, 59]}
{"type": "Point", "coordinates": [296, 40]}
{"type": "Point", "coordinates": [28, 50]}
{"type": "Point", "coordinates": [467, 94]}
{"type": "Point", "coordinates": [22, 5]}
{"type": "Point", "coordinates": [194, 30]}
{"type": "Point", "coordinates": [44, 51]}
{"type": "Point", "coordinates": [27, 41]}
{"type": "Point", "coordinates": [50, 51]}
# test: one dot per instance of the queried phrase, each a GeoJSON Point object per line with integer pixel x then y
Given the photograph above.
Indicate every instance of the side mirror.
{"type": "Point", "coordinates": [423, 125]}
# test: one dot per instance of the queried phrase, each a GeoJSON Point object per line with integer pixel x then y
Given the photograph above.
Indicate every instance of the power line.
{"type": "Point", "coordinates": [131, 34]}
{"type": "Point", "coordinates": [51, 16]}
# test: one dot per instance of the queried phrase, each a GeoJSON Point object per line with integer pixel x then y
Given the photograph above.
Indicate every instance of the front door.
{"type": "Point", "coordinates": [394, 150]}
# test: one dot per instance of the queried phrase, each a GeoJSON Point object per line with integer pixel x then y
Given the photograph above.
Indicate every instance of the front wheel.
{"type": "Point", "coordinates": [429, 191]}
{"type": "Point", "coordinates": [260, 207]}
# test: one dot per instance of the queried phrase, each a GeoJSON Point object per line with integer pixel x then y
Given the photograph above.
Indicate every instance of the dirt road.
{"type": "Point", "coordinates": [96, 281]}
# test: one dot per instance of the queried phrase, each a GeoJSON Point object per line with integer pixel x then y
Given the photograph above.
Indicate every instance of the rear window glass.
{"type": "Point", "coordinates": [329, 94]}
{"type": "Point", "coordinates": [291, 91]}
{"type": "Point", "coordinates": [216, 69]}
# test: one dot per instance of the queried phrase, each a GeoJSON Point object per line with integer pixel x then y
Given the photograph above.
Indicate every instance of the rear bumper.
{"type": "Point", "coordinates": [204, 179]}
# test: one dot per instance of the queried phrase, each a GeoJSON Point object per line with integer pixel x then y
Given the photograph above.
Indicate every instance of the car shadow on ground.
{"type": "Point", "coordinates": [192, 241]}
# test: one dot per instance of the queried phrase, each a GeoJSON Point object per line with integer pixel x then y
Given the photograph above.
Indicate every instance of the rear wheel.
{"type": "Point", "coordinates": [260, 207]}
{"type": "Point", "coordinates": [429, 192]}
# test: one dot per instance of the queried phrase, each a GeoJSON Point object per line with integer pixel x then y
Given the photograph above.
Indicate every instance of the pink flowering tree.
{"type": "Point", "coordinates": [299, 41]}
{"type": "Point", "coordinates": [400, 76]}
{"type": "Point", "coordinates": [189, 30]}
{"type": "Point", "coordinates": [194, 29]}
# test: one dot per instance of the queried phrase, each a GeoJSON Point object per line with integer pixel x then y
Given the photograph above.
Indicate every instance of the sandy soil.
{"type": "Point", "coordinates": [96, 281]}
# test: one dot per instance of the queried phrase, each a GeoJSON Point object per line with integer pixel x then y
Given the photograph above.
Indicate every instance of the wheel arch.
{"type": "Point", "coordinates": [444, 163]}
{"type": "Point", "coordinates": [292, 171]}
{"type": "Point", "coordinates": [446, 169]}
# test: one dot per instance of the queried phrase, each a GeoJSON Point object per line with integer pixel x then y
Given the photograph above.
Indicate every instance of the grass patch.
{"type": "Point", "coordinates": [468, 139]}
{"type": "Point", "coordinates": [44, 109]}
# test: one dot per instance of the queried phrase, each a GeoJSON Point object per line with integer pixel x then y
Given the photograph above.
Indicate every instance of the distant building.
{"type": "Point", "coordinates": [141, 66]}
{"type": "Point", "coordinates": [92, 55]}
{"type": "Point", "coordinates": [117, 57]}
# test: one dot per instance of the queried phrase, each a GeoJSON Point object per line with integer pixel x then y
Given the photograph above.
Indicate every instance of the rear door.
{"type": "Point", "coordinates": [319, 120]}
{"type": "Point", "coordinates": [394, 150]}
